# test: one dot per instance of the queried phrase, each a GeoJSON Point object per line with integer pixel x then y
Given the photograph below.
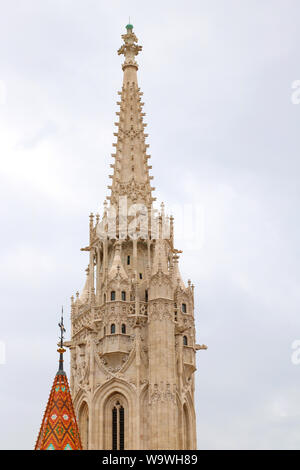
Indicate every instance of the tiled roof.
{"type": "Point", "coordinates": [59, 430]}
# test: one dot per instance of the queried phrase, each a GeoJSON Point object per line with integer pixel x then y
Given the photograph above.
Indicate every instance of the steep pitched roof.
{"type": "Point", "coordinates": [59, 430]}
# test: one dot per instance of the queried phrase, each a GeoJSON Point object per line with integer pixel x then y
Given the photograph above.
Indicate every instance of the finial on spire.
{"type": "Point", "coordinates": [129, 49]}
{"type": "Point", "coordinates": [129, 25]}
{"type": "Point", "coordinates": [61, 349]}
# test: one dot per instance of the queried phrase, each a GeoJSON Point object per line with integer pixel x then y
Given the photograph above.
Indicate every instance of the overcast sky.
{"type": "Point", "coordinates": [217, 79]}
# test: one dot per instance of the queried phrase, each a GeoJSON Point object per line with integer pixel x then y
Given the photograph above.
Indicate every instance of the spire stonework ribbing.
{"type": "Point", "coordinates": [133, 339]}
{"type": "Point", "coordinates": [131, 170]}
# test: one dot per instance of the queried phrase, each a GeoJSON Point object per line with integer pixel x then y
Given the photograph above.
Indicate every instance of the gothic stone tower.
{"type": "Point", "coordinates": [133, 334]}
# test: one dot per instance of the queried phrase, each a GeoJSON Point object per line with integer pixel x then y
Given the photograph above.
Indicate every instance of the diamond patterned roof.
{"type": "Point", "coordinates": [59, 430]}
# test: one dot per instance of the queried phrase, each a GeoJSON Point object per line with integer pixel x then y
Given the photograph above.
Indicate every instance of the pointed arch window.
{"type": "Point", "coordinates": [112, 329]}
{"type": "Point", "coordinates": [123, 295]}
{"type": "Point", "coordinates": [183, 307]}
{"type": "Point", "coordinates": [123, 328]}
{"type": "Point", "coordinates": [83, 421]}
{"type": "Point", "coordinates": [121, 411]}
{"type": "Point", "coordinates": [146, 295]}
{"type": "Point", "coordinates": [185, 341]}
{"type": "Point", "coordinates": [118, 421]}
{"type": "Point", "coordinates": [113, 295]}
{"type": "Point", "coordinates": [128, 260]}
{"type": "Point", "coordinates": [114, 428]}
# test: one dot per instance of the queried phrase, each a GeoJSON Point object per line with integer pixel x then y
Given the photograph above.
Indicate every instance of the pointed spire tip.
{"type": "Point", "coordinates": [61, 349]}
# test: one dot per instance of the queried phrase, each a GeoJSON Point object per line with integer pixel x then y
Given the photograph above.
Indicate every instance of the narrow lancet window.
{"type": "Point", "coordinates": [114, 428]}
{"type": "Point", "coordinates": [118, 427]}
{"type": "Point", "coordinates": [121, 410]}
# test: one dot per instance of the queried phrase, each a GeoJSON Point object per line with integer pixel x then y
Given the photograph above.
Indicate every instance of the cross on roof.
{"type": "Point", "coordinates": [62, 328]}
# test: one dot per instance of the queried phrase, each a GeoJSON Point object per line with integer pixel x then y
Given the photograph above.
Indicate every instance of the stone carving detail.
{"type": "Point", "coordinates": [79, 370]}
{"type": "Point", "coordinates": [155, 395]}
{"type": "Point", "coordinates": [169, 395]}
{"type": "Point", "coordinates": [82, 321]}
{"type": "Point", "coordinates": [110, 368]}
{"type": "Point", "coordinates": [135, 285]}
{"type": "Point", "coordinates": [161, 311]}
{"type": "Point", "coordinates": [162, 393]}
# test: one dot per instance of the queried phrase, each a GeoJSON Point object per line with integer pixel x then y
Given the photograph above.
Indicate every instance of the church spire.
{"type": "Point", "coordinates": [131, 170]}
{"type": "Point", "coordinates": [133, 340]}
{"type": "Point", "coordinates": [59, 430]}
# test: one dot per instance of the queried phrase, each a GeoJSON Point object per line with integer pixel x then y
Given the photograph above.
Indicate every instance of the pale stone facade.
{"type": "Point", "coordinates": [133, 332]}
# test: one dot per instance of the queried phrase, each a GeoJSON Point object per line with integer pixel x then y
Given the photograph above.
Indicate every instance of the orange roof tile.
{"type": "Point", "coordinates": [59, 430]}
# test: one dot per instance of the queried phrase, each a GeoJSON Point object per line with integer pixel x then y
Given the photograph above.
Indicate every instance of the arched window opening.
{"type": "Point", "coordinates": [114, 428]}
{"type": "Point", "coordinates": [123, 295]}
{"type": "Point", "coordinates": [113, 295]}
{"type": "Point", "coordinates": [84, 425]}
{"type": "Point", "coordinates": [104, 331]}
{"type": "Point", "coordinates": [121, 428]}
{"type": "Point", "coordinates": [118, 420]}
{"type": "Point", "coordinates": [128, 259]}
{"type": "Point", "coordinates": [104, 298]}
{"type": "Point", "coordinates": [146, 295]}
{"type": "Point", "coordinates": [185, 341]}
{"type": "Point", "coordinates": [123, 329]}
{"type": "Point", "coordinates": [183, 308]}
{"type": "Point", "coordinates": [113, 329]}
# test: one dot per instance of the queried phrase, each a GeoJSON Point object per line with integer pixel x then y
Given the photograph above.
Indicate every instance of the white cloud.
{"type": "Point", "coordinates": [223, 135]}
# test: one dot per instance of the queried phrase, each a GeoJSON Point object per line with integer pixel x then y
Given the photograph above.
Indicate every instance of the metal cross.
{"type": "Point", "coordinates": [62, 328]}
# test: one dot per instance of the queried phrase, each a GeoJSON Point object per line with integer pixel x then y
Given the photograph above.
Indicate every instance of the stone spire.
{"type": "Point", "coordinates": [133, 342]}
{"type": "Point", "coordinates": [131, 170]}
